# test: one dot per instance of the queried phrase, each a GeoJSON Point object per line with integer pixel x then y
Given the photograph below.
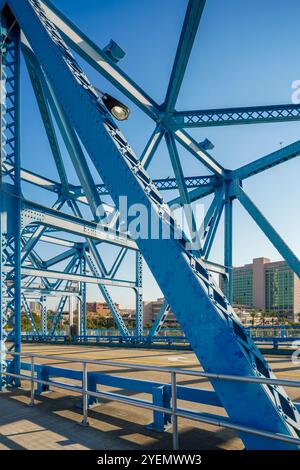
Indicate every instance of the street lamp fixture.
{"type": "Point", "coordinates": [119, 110]}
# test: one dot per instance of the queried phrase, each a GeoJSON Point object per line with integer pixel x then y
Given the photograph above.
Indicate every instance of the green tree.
{"type": "Point", "coordinates": [253, 316]}
{"type": "Point", "coordinates": [263, 316]}
{"type": "Point", "coordinates": [273, 315]}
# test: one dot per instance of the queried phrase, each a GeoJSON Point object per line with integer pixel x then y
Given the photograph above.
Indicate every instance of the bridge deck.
{"type": "Point", "coordinates": [53, 422]}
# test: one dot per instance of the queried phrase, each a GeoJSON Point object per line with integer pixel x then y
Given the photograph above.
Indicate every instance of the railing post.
{"type": "Point", "coordinates": [32, 382]}
{"type": "Point", "coordinates": [85, 421]}
{"type": "Point", "coordinates": [174, 409]}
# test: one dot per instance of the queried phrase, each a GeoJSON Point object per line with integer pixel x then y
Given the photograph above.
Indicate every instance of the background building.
{"type": "Point", "coordinates": [99, 308]}
{"type": "Point", "coordinates": [151, 310]}
{"type": "Point", "coordinates": [266, 285]}
{"type": "Point", "coordinates": [35, 306]}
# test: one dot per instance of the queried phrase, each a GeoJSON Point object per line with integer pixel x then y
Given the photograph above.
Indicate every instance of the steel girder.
{"type": "Point", "coordinates": [66, 276]}
{"type": "Point", "coordinates": [188, 33]}
{"type": "Point", "coordinates": [159, 320]}
{"type": "Point", "coordinates": [38, 214]}
{"type": "Point", "coordinates": [205, 315]}
{"type": "Point", "coordinates": [29, 315]}
{"type": "Point", "coordinates": [43, 316]}
{"type": "Point", "coordinates": [10, 191]}
{"type": "Point", "coordinates": [139, 296]}
{"type": "Point", "coordinates": [228, 221]}
{"type": "Point", "coordinates": [208, 182]}
{"type": "Point", "coordinates": [267, 228]}
{"type": "Point", "coordinates": [266, 162]}
{"type": "Point", "coordinates": [183, 192]}
{"type": "Point", "coordinates": [234, 116]}
{"type": "Point", "coordinates": [82, 299]}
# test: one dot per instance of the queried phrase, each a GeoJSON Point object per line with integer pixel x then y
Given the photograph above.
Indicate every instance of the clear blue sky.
{"type": "Point", "coordinates": [245, 53]}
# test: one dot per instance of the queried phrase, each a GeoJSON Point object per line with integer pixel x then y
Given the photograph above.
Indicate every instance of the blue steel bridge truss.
{"type": "Point", "coordinates": [69, 104]}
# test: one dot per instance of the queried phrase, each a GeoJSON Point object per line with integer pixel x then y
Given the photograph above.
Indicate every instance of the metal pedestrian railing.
{"type": "Point", "coordinates": [174, 411]}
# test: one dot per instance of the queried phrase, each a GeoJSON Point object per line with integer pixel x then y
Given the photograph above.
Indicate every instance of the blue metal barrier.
{"type": "Point", "coordinates": [160, 391]}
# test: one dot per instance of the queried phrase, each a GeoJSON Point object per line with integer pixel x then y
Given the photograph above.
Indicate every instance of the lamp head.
{"type": "Point", "coordinates": [115, 107]}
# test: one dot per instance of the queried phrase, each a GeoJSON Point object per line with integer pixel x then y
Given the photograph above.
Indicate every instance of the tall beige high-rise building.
{"type": "Point", "coordinates": [266, 285]}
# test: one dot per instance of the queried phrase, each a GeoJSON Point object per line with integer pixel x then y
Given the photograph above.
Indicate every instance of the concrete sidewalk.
{"type": "Point", "coordinates": [53, 424]}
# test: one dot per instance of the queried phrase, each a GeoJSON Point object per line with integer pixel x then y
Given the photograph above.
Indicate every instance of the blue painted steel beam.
{"type": "Point", "coordinates": [10, 194]}
{"type": "Point", "coordinates": [236, 116]}
{"type": "Point", "coordinates": [151, 146]}
{"type": "Point", "coordinates": [159, 320]}
{"type": "Point", "coordinates": [90, 243]}
{"type": "Point", "coordinates": [267, 162]}
{"type": "Point", "coordinates": [36, 262]}
{"type": "Point", "coordinates": [35, 292]}
{"type": "Point", "coordinates": [64, 276]}
{"type": "Point", "coordinates": [82, 298]}
{"type": "Point", "coordinates": [29, 315]}
{"type": "Point", "coordinates": [228, 244]}
{"type": "Point", "coordinates": [43, 215]}
{"type": "Point", "coordinates": [191, 182]}
{"type": "Point", "coordinates": [212, 226]}
{"type": "Point", "coordinates": [71, 267]}
{"type": "Point", "coordinates": [186, 41]}
{"type": "Point", "coordinates": [36, 236]}
{"type": "Point", "coordinates": [269, 231]}
{"type": "Point", "coordinates": [59, 258]}
{"type": "Point", "coordinates": [43, 316]}
{"type": "Point", "coordinates": [117, 263]}
{"type": "Point", "coordinates": [76, 192]}
{"type": "Point", "coordinates": [184, 195]}
{"type": "Point", "coordinates": [199, 305]}
{"type": "Point", "coordinates": [40, 181]}
{"type": "Point", "coordinates": [139, 295]}
{"type": "Point", "coordinates": [210, 213]}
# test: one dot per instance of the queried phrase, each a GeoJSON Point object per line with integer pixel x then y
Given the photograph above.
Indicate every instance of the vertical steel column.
{"type": "Point", "coordinates": [174, 410]}
{"type": "Point", "coordinates": [82, 319]}
{"type": "Point", "coordinates": [44, 315]}
{"type": "Point", "coordinates": [228, 245]}
{"type": "Point", "coordinates": [10, 191]}
{"type": "Point", "coordinates": [139, 296]}
{"type": "Point", "coordinates": [32, 382]}
{"type": "Point", "coordinates": [71, 315]}
{"type": "Point", "coordinates": [85, 398]}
